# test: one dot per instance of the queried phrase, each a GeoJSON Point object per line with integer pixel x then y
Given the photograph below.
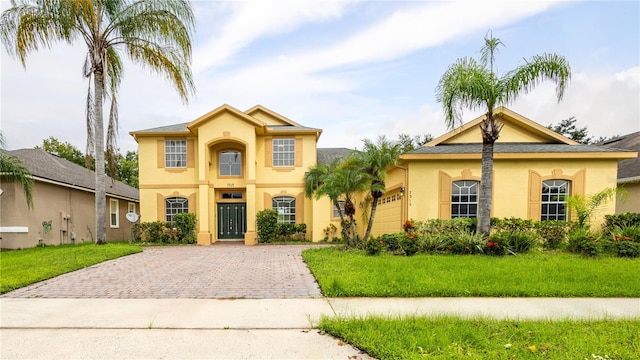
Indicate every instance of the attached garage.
{"type": "Point", "coordinates": [388, 218]}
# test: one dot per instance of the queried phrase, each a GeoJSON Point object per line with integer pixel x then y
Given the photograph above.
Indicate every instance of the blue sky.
{"type": "Point", "coordinates": [354, 69]}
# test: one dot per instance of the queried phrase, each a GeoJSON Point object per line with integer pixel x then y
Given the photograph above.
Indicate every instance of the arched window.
{"type": "Point", "coordinates": [554, 199]}
{"type": "Point", "coordinates": [175, 205]}
{"type": "Point", "coordinates": [286, 208]}
{"type": "Point", "coordinates": [230, 163]}
{"type": "Point", "coordinates": [464, 199]}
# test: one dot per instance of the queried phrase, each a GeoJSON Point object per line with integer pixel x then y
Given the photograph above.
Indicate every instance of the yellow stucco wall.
{"type": "Point", "coordinates": [512, 183]}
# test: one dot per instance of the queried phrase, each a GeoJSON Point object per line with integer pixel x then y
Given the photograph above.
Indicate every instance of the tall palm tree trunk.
{"type": "Point", "coordinates": [374, 206]}
{"type": "Point", "coordinates": [100, 193]}
{"type": "Point", "coordinates": [486, 186]}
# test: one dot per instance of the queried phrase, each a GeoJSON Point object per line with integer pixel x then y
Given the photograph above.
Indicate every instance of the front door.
{"type": "Point", "coordinates": [232, 220]}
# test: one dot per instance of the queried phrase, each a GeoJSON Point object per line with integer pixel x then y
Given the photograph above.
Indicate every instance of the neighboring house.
{"type": "Point", "coordinates": [63, 204]}
{"type": "Point", "coordinates": [227, 165]}
{"type": "Point", "coordinates": [628, 172]}
{"type": "Point", "coordinates": [534, 170]}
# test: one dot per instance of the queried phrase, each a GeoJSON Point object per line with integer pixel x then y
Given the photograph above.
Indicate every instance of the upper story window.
{"type": "Point", "coordinates": [286, 208]}
{"type": "Point", "coordinates": [230, 163]}
{"type": "Point", "coordinates": [554, 199]}
{"type": "Point", "coordinates": [284, 152]}
{"type": "Point", "coordinates": [175, 205]}
{"type": "Point", "coordinates": [464, 199]}
{"type": "Point", "coordinates": [175, 153]}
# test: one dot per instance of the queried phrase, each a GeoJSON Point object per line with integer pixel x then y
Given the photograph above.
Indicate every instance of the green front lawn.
{"type": "Point", "coordinates": [353, 273]}
{"type": "Point", "coordinates": [453, 338]}
{"type": "Point", "coordinates": [20, 268]}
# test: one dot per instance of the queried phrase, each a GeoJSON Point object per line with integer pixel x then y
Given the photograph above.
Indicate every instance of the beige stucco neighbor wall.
{"type": "Point", "coordinates": [71, 213]}
{"type": "Point", "coordinates": [632, 202]}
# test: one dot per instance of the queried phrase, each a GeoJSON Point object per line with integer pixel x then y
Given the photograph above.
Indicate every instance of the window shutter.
{"type": "Point", "coordinates": [444, 196]}
{"type": "Point", "coordinates": [160, 153]}
{"type": "Point", "coordinates": [191, 156]}
{"type": "Point", "coordinates": [535, 195]}
{"type": "Point", "coordinates": [298, 152]}
{"type": "Point", "coordinates": [268, 152]}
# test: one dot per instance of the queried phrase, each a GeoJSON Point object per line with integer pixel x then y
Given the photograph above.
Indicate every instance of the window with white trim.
{"type": "Point", "coordinates": [114, 213]}
{"type": "Point", "coordinates": [286, 208]}
{"type": "Point", "coordinates": [175, 153]}
{"type": "Point", "coordinates": [230, 163]}
{"type": "Point", "coordinates": [554, 199]}
{"type": "Point", "coordinates": [340, 206]}
{"type": "Point", "coordinates": [131, 207]}
{"type": "Point", "coordinates": [464, 199]}
{"type": "Point", "coordinates": [175, 205]}
{"type": "Point", "coordinates": [284, 152]}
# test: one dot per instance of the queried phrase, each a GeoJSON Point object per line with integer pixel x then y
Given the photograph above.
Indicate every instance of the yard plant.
{"type": "Point", "coordinates": [452, 338]}
{"type": "Point", "coordinates": [347, 273]}
{"type": "Point", "coordinates": [24, 267]}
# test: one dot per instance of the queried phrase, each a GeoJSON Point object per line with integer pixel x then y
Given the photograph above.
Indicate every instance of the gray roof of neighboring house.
{"type": "Point", "coordinates": [290, 127]}
{"type": "Point", "coordinates": [327, 155]}
{"type": "Point", "coordinates": [629, 168]}
{"type": "Point", "coordinates": [51, 167]}
{"type": "Point", "coordinates": [511, 148]}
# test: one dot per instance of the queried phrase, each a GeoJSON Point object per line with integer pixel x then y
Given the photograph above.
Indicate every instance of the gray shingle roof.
{"type": "Point", "coordinates": [511, 148]}
{"type": "Point", "coordinates": [629, 168]}
{"type": "Point", "coordinates": [167, 128]}
{"type": "Point", "coordinates": [290, 127]}
{"type": "Point", "coordinates": [51, 167]}
{"type": "Point", "coordinates": [327, 155]}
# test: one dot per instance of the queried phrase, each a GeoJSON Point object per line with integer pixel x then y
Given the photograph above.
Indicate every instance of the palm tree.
{"type": "Point", "coordinates": [374, 160]}
{"type": "Point", "coordinates": [475, 85]}
{"type": "Point", "coordinates": [338, 180]}
{"type": "Point", "coordinates": [154, 33]}
{"type": "Point", "coordinates": [12, 169]}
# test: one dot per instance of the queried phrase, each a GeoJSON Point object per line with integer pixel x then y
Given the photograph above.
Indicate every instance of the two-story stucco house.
{"type": "Point", "coordinates": [227, 165]}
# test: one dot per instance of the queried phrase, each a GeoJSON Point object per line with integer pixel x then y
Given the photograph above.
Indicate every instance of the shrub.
{"type": "Point", "coordinates": [409, 244]}
{"type": "Point", "coordinates": [186, 225]}
{"type": "Point", "coordinates": [466, 242]}
{"type": "Point", "coordinates": [553, 233]}
{"type": "Point", "coordinates": [266, 221]}
{"type": "Point", "coordinates": [432, 243]}
{"type": "Point", "coordinates": [512, 224]}
{"type": "Point", "coordinates": [582, 241]}
{"type": "Point", "coordinates": [329, 232]}
{"type": "Point", "coordinates": [626, 241]}
{"type": "Point", "coordinates": [393, 243]}
{"type": "Point", "coordinates": [374, 245]}
{"type": "Point", "coordinates": [619, 221]}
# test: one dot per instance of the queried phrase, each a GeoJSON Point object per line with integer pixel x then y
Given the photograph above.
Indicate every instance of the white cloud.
{"type": "Point", "coordinates": [251, 20]}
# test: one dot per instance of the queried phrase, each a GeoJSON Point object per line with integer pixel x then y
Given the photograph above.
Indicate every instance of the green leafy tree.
{"type": "Point", "coordinates": [12, 169]}
{"type": "Point", "coordinates": [375, 159]}
{"type": "Point", "coordinates": [65, 150]}
{"type": "Point", "coordinates": [568, 127]}
{"type": "Point", "coordinates": [127, 168]}
{"type": "Point", "coordinates": [410, 143]}
{"type": "Point", "coordinates": [472, 84]}
{"type": "Point", "coordinates": [153, 33]}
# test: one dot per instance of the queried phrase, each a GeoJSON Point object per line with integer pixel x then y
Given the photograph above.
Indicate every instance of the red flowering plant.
{"type": "Point", "coordinates": [409, 225]}
{"type": "Point", "coordinates": [626, 241]}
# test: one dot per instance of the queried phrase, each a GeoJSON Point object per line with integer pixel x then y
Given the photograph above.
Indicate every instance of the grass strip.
{"type": "Point", "coordinates": [345, 273]}
{"type": "Point", "coordinates": [452, 338]}
{"type": "Point", "coordinates": [19, 268]}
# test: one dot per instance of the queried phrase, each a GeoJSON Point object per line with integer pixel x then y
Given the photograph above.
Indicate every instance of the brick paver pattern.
{"type": "Point", "coordinates": [226, 271]}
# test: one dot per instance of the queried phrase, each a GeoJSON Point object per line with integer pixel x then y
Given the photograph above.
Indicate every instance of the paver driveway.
{"type": "Point", "coordinates": [222, 271]}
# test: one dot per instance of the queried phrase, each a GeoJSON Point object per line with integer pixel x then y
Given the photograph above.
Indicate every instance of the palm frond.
{"type": "Point", "coordinates": [541, 67]}
{"type": "Point", "coordinates": [465, 84]}
{"type": "Point", "coordinates": [12, 169]}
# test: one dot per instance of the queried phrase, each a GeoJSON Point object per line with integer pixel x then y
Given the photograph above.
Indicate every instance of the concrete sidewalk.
{"type": "Point", "coordinates": [241, 328]}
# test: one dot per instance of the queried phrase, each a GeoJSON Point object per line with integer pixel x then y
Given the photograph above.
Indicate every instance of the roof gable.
{"type": "Point", "coordinates": [270, 117]}
{"type": "Point", "coordinates": [516, 129]}
{"type": "Point", "coordinates": [211, 115]}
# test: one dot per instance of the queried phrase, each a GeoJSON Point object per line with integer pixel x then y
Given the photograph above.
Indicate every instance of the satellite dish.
{"type": "Point", "coordinates": [132, 217]}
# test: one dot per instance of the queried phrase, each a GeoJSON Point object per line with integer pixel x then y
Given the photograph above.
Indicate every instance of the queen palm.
{"type": "Point", "coordinates": [374, 160]}
{"type": "Point", "coordinates": [153, 33]}
{"type": "Point", "coordinates": [475, 85]}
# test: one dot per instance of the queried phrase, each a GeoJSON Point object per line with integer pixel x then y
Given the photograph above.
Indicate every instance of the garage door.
{"type": "Point", "coordinates": [388, 218]}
